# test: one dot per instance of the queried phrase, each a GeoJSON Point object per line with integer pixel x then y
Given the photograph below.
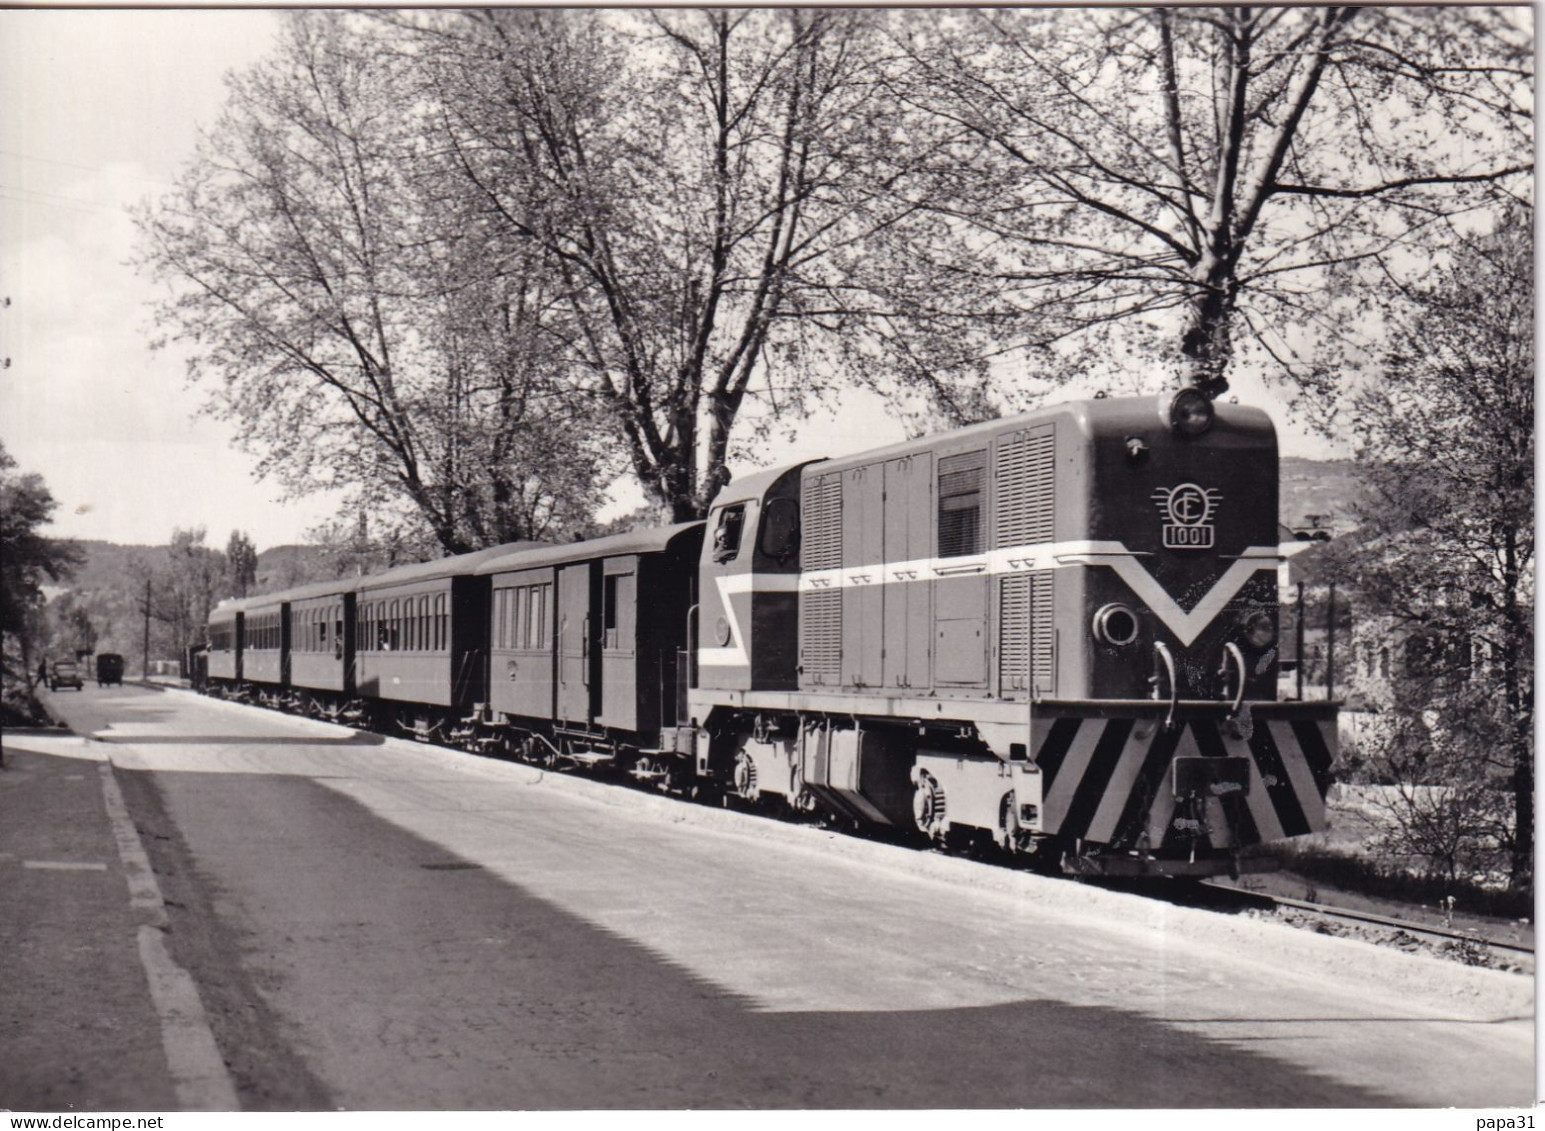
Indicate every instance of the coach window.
{"type": "Point", "coordinates": [609, 613]}
{"type": "Point", "coordinates": [960, 504]}
{"type": "Point", "coordinates": [726, 535]}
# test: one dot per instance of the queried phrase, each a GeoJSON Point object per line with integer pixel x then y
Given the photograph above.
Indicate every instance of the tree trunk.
{"type": "Point", "coordinates": [1520, 716]}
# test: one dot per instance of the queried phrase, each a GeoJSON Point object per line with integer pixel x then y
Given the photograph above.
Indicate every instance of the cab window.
{"type": "Point", "coordinates": [726, 535]}
{"type": "Point", "coordinates": [780, 529]}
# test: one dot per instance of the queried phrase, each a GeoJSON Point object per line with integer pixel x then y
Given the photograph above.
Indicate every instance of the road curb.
{"type": "Point", "coordinates": [198, 1071]}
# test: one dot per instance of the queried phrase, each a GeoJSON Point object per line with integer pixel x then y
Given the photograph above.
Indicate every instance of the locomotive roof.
{"type": "Point", "coordinates": [459, 565]}
{"type": "Point", "coordinates": [1097, 415]}
{"type": "Point", "coordinates": [648, 541]}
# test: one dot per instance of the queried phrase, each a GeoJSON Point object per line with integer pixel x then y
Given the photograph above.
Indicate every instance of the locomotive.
{"type": "Point", "coordinates": [1054, 632]}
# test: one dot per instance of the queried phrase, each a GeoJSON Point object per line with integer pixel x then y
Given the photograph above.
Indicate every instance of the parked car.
{"type": "Point", "coordinates": [109, 669]}
{"type": "Point", "coordinates": [65, 673]}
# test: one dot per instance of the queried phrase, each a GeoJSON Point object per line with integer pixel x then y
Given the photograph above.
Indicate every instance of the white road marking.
{"type": "Point", "coordinates": [63, 866]}
{"type": "Point", "coordinates": [197, 1069]}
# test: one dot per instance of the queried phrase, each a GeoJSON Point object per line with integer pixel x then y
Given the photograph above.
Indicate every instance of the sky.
{"type": "Point", "coordinates": [98, 112]}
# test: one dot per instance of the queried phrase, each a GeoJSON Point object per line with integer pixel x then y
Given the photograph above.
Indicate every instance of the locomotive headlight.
{"type": "Point", "coordinates": [1115, 624]}
{"type": "Point", "coordinates": [1260, 631]}
{"type": "Point", "coordinates": [1190, 413]}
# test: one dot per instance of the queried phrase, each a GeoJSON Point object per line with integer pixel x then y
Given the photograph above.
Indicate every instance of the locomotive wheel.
{"type": "Point", "coordinates": [929, 809]}
{"type": "Point", "coordinates": [745, 777]}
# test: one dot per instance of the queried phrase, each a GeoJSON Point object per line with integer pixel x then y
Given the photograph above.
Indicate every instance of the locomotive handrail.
{"type": "Point", "coordinates": [691, 649]}
{"type": "Point", "coordinates": [966, 567]}
{"type": "Point", "coordinates": [1174, 686]}
{"type": "Point", "coordinates": [1232, 649]}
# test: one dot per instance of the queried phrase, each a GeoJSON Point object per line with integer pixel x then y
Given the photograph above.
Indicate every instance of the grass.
{"type": "Point", "coordinates": [1375, 878]}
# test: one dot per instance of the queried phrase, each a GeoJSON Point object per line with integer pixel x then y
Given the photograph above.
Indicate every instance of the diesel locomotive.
{"type": "Point", "coordinates": [1055, 632]}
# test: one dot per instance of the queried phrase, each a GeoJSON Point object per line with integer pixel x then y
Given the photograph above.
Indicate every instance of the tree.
{"type": "Point", "coordinates": [1448, 552]}
{"type": "Point", "coordinates": [27, 560]}
{"type": "Point", "coordinates": [241, 560]}
{"type": "Point", "coordinates": [727, 211]}
{"type": "Point", "coordinates": [1207, 179]}
{"type": "Point", "coordinates": [320, 300]}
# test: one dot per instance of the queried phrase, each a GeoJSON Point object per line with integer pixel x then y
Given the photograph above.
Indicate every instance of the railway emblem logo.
{"type": "Point", "coordinates": [1187, 511]}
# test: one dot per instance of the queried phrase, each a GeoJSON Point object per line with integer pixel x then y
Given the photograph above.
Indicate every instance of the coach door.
{"type": "Point", "coordinates": [619, 643]}
{"type": "Point", "coordinates": [578, 671]}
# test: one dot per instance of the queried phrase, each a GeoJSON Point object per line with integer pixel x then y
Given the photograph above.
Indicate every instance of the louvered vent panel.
{"type": "Point", "coordinates": [1025, 488]}
{"type": "Point", "coordinates": [962, 473]}
{"type": "Point", "coordinates": [1043, 637]}
{"type": "Point", "coordinates": [820, 633]}
{"type": "Point", "coordinates": [1027, 646]}
{"type": "Point", "coordinates": [820, 610]}
{"type": "Point", "coordinates": [1014, 626]}
{"type": "Point", "coordinates": [821, 535]}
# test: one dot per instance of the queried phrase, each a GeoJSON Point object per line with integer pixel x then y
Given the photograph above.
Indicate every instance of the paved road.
{"type": "Point", "coordinates": [374, 924]}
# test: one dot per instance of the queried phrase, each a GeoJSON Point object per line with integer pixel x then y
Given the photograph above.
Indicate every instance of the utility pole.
{"type": "Point", "coordinates": [1330, 645]}
{"type": "Point", "coordinates": [1298, 648]}
{"type": "Point", "coordinates": [145, 657]}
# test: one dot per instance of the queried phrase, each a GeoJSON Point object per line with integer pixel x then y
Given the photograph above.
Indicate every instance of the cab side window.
{"type": "Point", "coordinates": [780, 529]}
{"type": "Point", "coordinates": [727, 531]}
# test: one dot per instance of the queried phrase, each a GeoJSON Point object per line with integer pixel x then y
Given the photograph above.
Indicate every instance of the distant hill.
{"type": "Point", "coordinates": [1327, 488]}
{"type": "Point", "coordinates": [1330, 489]}
{"type": "Point", "coordinates": [282, 567]}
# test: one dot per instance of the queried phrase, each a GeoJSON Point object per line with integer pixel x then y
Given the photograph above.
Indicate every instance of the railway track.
{"type": "Point", "coordinates": [1325, 912]}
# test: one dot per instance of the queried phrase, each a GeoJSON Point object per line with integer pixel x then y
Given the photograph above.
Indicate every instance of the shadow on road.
{"type": "Point", "coordinates": [356, 739]}
{"type": "Point", "coordinates": [436, 984]}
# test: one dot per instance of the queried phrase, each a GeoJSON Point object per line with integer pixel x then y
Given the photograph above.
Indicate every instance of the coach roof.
{"type": "Point", "coordinates": [654, 540]}
{"type": "Point", "coordinates": [462, 565]}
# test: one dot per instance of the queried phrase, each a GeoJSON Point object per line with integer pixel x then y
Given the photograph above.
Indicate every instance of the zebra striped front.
{"type": "Point", "coordinates": [1111, 780]}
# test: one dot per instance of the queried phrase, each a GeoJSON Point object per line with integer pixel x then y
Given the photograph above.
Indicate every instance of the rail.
{"type": "Point", "coordinates": [1350, 915]}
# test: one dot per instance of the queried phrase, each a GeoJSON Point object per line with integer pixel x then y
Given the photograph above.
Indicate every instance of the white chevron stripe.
{"type": "Point", "coordinates": [1186, 626]}
{"type": "Point", "coordinates": [1297, 767]}
{"type": "Point", "coordinates": [733, 654]}
{"type": "Point", "coordinates": [1122, 780]}
{"type": "Point", "coordinates": [1267, 823]}
{"type": "Point", "coordinates": [1054, 807]}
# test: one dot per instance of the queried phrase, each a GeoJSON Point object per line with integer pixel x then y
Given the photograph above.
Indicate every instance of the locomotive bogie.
{"type": "Point", "coordinates": [977, 792]}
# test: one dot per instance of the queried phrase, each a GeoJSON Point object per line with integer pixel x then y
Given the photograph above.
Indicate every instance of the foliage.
{"type": "Point", "coordinates": [724, 210]}
{"type": "Point", "coordinates": [330, 315]}
{"type": "Point", "coordinates": [478, 262]}
{"type": "Point", "coordinates": [28, 559]}
{"type": "Point", "coordinates": [1447, 554]}
{"type": "Point", "coordinates": [1381, 878]}
{"type": "Point", "coordinates": [1178, 183]}
{"type": "Point", "coordinates": [1440, 816]}
{"type": "Point", "coordinates": [352, 549]}
{"type": "Point", "coordinates": [241, 560]}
